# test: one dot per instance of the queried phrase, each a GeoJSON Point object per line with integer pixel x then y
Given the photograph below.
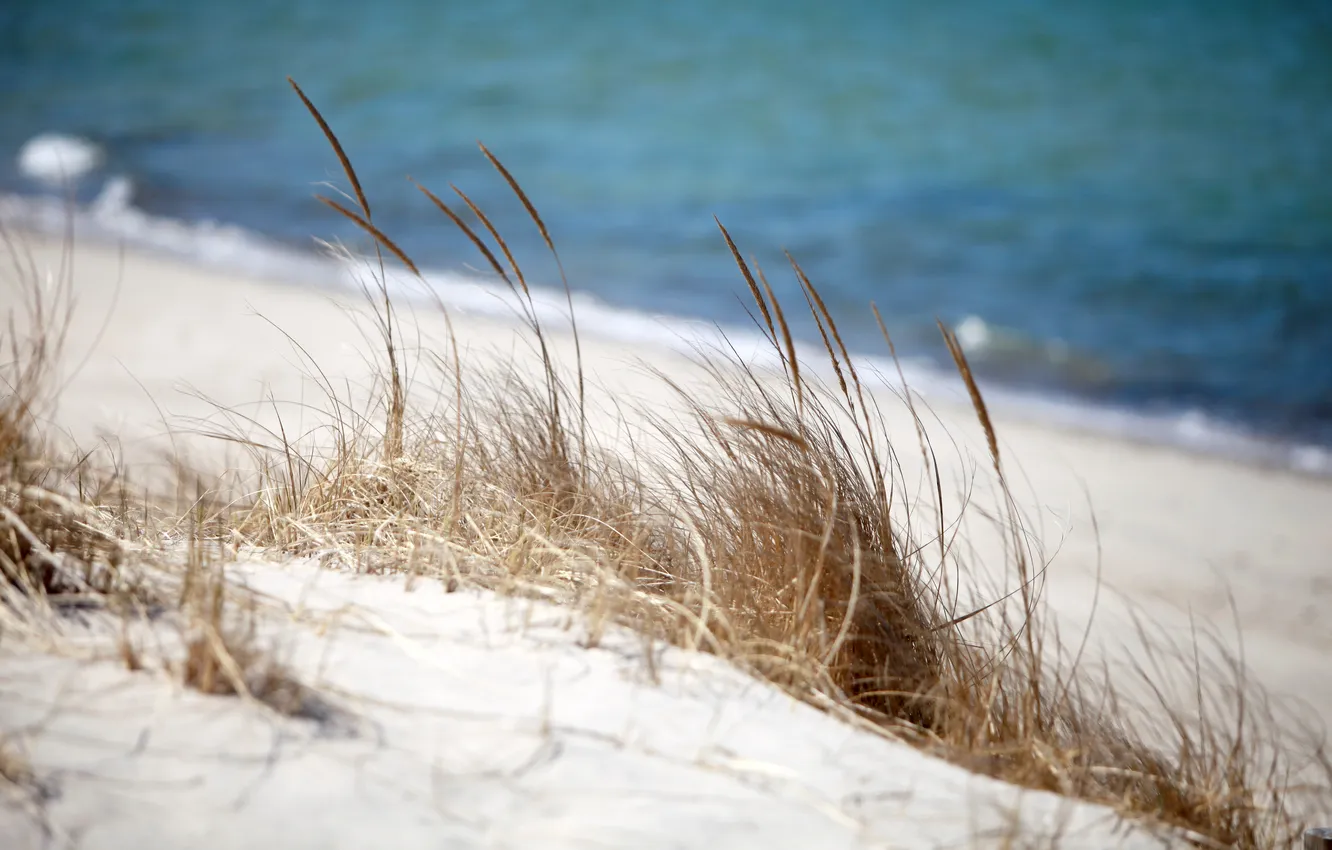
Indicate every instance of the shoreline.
{"type": "Point", "coordinates": [232, 250]}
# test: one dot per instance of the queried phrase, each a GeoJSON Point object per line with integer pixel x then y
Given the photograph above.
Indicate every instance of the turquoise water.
{"type": "Point", "coordinates": [1126, 204]}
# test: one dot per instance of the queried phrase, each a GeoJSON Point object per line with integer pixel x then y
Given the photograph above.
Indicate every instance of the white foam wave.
{"type": "Point", "coordinates": [54, 158]}
{"type": "Point", "coordinates": [113, 217]}
{"type": "Point", "coordinates": [973, 334]}
{"type": "Point", "coordinates": [982, 339]}
{"type": "Point", "coordinates": [1190, 429]}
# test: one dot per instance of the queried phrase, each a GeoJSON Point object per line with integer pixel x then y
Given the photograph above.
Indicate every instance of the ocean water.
{"type": "Point", "coordinates": [1124, 208]}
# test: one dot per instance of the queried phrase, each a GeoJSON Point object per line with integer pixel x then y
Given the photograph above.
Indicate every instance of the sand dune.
{"type": "Point", "coordinates": [469, 720]}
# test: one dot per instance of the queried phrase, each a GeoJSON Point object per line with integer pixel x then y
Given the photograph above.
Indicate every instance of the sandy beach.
{"type": "Point", "coordinates": [1185, 539]}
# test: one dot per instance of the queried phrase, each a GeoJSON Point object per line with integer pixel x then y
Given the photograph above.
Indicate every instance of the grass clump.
{"type": "Point", "coordinates": [223, 654]}
{"type": "Point", "coordinates": [69, 533]}
{"type": "Point", "coordinates": [57, 541]}
{"type": "Point", "coordinates": [776, 530]}
{"type": "Point", "coordinates": [20, 786]}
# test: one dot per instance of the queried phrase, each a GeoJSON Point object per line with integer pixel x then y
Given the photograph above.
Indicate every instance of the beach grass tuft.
{"type": "Point", "coordinates": [56, 540]}
{"type": "Point", "coordinates": [768, 520]}
{"type": "Point", "coordinates": [776, 530]}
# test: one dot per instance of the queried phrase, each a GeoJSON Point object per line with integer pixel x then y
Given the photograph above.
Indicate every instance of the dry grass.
{"type": "Point", "coordinates": [14, 768]}
{"type": "Point", "coordinates": [775, 530]}
{"type": "Point", "coordinates": [224, 654]}
{"type": "Point", "coordinates": [57, 542]}
{"type": "Point", "coordinates": [224, 651]}
{"type": "Point", "coordinates": [72, 535]}
{"type": "Point", "coordinates": [20, 787]}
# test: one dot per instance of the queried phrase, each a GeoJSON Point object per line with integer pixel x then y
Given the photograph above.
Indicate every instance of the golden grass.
{"type": "Point", "coordinates": [224, 655]}
{"type": "Point", "coordinates": [777, 533]}
{"type": "Point", "coordinates": [55, 542]}
{"type": "Point", "coordinates": [775, 530]}
{"type": "Point", "coordinates": [20, 787]}
{"type": "Point", "coordinates": [71, 534]}
{"type": "Point", "coordinates": [14, 768]}
{"type": "Point", "coordinates": [224, 652]}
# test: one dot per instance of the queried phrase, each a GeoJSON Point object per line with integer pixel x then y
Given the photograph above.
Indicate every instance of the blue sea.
{"type": "Point", "coordinates": [1125, 208]}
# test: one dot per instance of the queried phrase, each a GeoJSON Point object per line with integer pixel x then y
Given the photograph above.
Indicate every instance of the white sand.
{"type": "Point", "coordinates": [1177, 534]}
{"type": "Point", "coordinates": [469, 720]}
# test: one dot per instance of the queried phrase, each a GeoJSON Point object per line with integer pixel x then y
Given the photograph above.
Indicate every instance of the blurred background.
{"type": "Point", "coordinates": [1125, 208]}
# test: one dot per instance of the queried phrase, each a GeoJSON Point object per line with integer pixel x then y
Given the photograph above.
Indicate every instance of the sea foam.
{"type": "Point", "coordinates": [55, 158]}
